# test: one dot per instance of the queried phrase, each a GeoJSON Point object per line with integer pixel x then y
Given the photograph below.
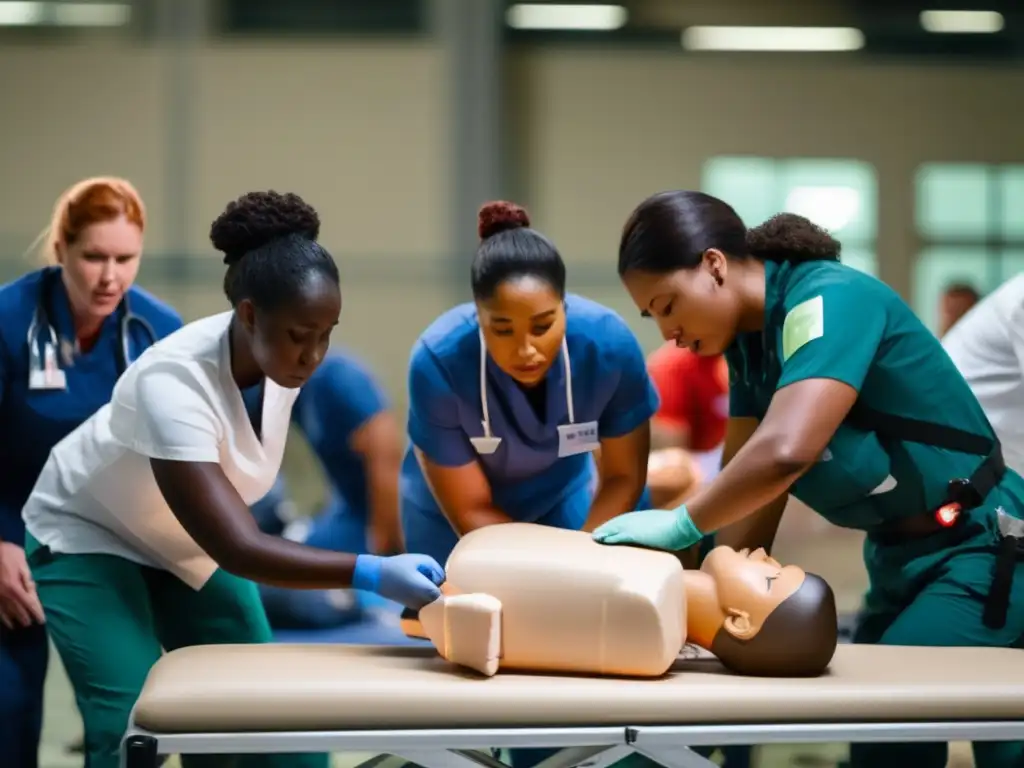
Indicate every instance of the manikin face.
{"type": "Point", "coordinates": [750, 586]}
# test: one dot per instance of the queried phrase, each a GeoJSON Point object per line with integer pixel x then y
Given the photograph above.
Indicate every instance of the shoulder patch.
{"type": "Point", "coordinates": [804, 322]}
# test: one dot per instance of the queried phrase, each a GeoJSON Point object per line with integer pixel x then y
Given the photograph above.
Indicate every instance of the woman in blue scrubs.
{"type": "Point", "coordinates": [63, 344]}
{"type": "Point", "coordinates": [510, 394]}
{"type": "Point", "coordinates": [345, 416]}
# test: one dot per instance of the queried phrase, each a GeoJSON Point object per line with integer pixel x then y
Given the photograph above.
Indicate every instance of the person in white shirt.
{"type": "Point", "coordinates": [139, 535]}
{"type": "Point", "coordinates": [987, 345]}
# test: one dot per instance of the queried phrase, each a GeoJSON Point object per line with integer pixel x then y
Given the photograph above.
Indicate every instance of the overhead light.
{"type": "Point", "coordinates": [21, 14]}
{"type": "Point", "coordinates": [91, 14]}
{"type": "Point", "coordinates": [581, 17]}
{"type": "Point", "coordinates": [833, 208]}
{"type": "Point", "coordinates": [970, 22]}
{"type": "Point", "coordinates": [69, 14]}
{"type": "Point", "coordinates": [772, 39]}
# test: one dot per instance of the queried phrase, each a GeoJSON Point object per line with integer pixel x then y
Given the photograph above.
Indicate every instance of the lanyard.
{"type": "Point", "coordinates": [483, 385]}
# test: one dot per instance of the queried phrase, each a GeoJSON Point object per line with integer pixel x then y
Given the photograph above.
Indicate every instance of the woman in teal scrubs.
{"type": "Point", "coordinates": [841, 397]}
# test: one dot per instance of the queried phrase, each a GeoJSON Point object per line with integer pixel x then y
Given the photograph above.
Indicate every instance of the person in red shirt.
{"type": "Point", "coordinates": [694, 395]}
{"type": "Point", "coordinates": [689, 427]}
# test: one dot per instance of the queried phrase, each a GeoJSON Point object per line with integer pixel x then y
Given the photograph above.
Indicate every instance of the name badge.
{"type": "Point", "coordinates": [574, 439]}
{"type": "Point", "coordinates": [50, 376]}
{"type": "Point", "coordinates": [485, 445]}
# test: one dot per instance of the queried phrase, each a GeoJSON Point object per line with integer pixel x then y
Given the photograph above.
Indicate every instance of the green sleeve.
{"type": "Point", "coordinates": [742, 400]}
{"type": "Point", "coordinates": [831, 332]}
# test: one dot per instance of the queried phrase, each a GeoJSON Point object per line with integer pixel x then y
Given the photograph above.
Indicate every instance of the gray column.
{"type": "Point", "coordinates": [898, 241]}
{"type": "Point", "coordinates": [179, 27]}
{"type": "Point", "coordinates": [471, 35]}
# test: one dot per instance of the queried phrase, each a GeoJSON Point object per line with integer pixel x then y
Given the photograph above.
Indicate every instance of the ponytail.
{"type": "Point", "coordinates": [789, 237]}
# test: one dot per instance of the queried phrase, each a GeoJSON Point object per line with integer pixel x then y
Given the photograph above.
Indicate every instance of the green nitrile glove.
{"type": "Point", "coordinates": [668, 529]}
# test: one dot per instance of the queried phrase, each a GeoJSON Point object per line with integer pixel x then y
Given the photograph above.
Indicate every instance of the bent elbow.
{"type": "Point", "coordinates": [791, 455]}
{"type": "Point", "coordinates": [239, 557]}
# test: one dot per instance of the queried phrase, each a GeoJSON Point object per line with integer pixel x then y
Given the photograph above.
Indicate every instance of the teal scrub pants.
{"type": "Point", "coordinates": [110, 618]}
{"type": "Point", "coordinates": [931, 592]}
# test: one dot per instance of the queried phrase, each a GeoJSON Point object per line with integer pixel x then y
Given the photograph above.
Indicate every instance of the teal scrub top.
{"type": "Point", "coordinates": [824, 320]}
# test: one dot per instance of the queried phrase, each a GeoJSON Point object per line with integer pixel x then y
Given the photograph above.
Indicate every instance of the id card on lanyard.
{"type": "Point", "coordinates": [44, 371]}
{"type": "Point", "coordinates": [574, 439]}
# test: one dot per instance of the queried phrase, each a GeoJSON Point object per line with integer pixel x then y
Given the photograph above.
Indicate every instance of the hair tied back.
{"type": "Point", "coordinates": [500, 216]}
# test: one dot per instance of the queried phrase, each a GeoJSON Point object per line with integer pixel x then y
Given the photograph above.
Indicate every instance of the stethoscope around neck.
{"type": "Point", "coordinates": [488, 444]}
{"type": "Point", "coordinates": [44, 370]}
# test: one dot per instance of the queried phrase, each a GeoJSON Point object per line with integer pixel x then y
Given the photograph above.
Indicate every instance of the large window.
{"type": "Point", "coordinates": [839, 195]}
{"type": "Point", "coordinates": [971, 219]}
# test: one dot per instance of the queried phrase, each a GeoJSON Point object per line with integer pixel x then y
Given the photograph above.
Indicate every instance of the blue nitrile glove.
{"type": "Point", "coordinates": [672, 530]}
{"type": "Point", "coordinates": [412, 580]}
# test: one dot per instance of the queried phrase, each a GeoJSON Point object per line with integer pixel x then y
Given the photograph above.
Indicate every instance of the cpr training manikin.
{"type": "Point", "coordinates": [521, 596]}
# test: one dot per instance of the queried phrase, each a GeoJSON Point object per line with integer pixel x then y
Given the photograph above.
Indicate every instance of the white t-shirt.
{"type": "Point", "coordinates": [987, 345]}
{"type": "Point", "coordinates": [178, 401]}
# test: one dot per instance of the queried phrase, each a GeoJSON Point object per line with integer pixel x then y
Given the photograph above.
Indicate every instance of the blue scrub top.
{"type": "Point", "coordinates": [528, 480]}
{"type": "Point", "coordinates": [340, 397]}
{"type": "Point", "coordinates": [32, 422]}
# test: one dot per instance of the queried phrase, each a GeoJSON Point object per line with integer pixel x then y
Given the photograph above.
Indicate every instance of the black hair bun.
{"type": "Point", "coordinates": [257, 218]}
{"type": "Point", "coordinates": [499, 216]}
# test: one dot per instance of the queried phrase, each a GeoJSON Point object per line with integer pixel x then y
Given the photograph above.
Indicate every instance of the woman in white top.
{"type": "Point", "coordinates": [987, 345]}
{"type": "Point", "coordinates": [139, 531]}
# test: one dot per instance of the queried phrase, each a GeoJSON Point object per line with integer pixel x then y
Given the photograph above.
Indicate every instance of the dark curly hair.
{"type": "Point", "coordinates": [269, 242]}
{"type": "Point", "coordinates": [509, 249]}
{"type": "Point", "coordinates": [672, 230]}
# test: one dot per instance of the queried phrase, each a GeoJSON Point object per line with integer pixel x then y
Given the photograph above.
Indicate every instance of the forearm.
{"type": "Point", "coordinates": [669, 435]}
{"type": "Point", "coordinates": [384, 503]}
{"type": "Point", "coordinates": [383, 497]}
{"type": "Point", "coordinates": [615, 496]}
{"type": "Point", "coordinates": [757, 477]}
{"type": "Point", "coordinates": [278, 562]}
{"type": "Point", "coordinates": [478, 517]}
{"type": "Point", "coordinates": [756, 530]}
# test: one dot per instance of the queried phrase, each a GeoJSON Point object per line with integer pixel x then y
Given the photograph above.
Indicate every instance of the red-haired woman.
{"type": "Point", "coordinates": [67, 332]}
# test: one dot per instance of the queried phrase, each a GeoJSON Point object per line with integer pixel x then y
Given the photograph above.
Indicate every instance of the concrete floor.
{"type": "Point", "coordinates": [803, 539]}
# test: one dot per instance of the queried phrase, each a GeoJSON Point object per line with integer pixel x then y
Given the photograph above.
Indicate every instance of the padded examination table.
{"type": "Point", "coordinates": [408, 702]}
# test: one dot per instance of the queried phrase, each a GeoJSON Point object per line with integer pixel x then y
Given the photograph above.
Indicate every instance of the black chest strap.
{"type": "Point", "coordinates": [968, 492]}
{"type": "Point", "coordinates": [962, 493]}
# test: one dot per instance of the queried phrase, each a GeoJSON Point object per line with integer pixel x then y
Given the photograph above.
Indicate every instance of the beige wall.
{"type": "Point", "coordinates": [357, 129]}
{"type": "Point", "coordinates": [360, 130]}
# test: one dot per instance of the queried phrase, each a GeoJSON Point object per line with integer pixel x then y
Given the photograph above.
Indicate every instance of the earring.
{"type": "Point", "coordinates": [718, 278]}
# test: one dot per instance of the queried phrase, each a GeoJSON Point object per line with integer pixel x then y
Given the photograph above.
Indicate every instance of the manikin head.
{"type": "Point", "coordinates": [778, 621]}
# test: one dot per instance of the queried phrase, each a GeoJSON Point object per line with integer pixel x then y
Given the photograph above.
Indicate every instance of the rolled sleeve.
{"type": "Point", "coordinates": [174, 416]}
{"type": "Point", "coordinates": [831, 333]}
{"type": "Point", "coordinates": [433, 422]}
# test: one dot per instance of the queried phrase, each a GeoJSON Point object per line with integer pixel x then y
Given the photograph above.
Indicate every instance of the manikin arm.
{"type": "Point", "coordinates": [465, 630]}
